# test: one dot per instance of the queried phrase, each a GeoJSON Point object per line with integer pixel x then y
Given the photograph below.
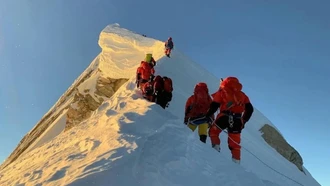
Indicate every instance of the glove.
{"type": "Point", "coordinates": [148, 92]}
{"type": "Point", "coordinates": [243, 123]}
{"type": "Point", "coordinates": [185, 120]}
{"type": "Point", "coordinates": [151, 78]}
{"type": "Point", "coordinates": [209, 120]}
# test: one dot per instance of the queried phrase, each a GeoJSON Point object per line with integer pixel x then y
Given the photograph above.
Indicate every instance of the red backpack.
{"type": "Point", "coordinates": [168, 86]}
{"type": "Point", "coordinates": [146, 70]}
{"type": "Point", "coordinates": [232, 95]}
{"type": "Point", "coordinates": [202, 100]}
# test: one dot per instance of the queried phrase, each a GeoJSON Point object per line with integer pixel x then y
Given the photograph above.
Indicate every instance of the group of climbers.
{"type": "Point", "coordinates": [235, 111]}
{"type": "Point", "coordinates": [156, 89]}
{"type": "Point", "coordinates": [235, 108]}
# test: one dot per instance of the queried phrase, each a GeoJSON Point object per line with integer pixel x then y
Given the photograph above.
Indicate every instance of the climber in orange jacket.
{"type": "Point", "coordinates": [196, 108]}
{"type": "Point", "coordinates": [235, 110]}
{"type": "Point", "coordinates": [143, 73]}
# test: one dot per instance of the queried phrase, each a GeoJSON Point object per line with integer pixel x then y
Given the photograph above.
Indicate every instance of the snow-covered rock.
{"type": "Point", "coordinates": [102, 132]}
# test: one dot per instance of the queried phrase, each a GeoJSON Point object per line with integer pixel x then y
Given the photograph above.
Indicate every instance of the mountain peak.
{"type": "Point", "coordinates": [102, 131]}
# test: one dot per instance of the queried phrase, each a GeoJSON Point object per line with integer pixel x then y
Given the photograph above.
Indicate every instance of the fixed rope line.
{"type": "Point", "coordinates": [213, 122]}
{"type": "Point", "coordinates": [263, 161]}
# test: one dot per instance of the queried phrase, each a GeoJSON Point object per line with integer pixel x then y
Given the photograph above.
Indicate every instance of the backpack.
{"type": "Point", "coordinates": [168, 87]}
{"type": "Point", "coordinates": [146, 71]}
{"type": "Point", "coordinates": [169, 44]}
{"type": "Point", "coordinates": [232, 95]}
{"type": "Point", "coordinates": [201, 100]}
{"type": "Point", "coordinates": [147, 89]}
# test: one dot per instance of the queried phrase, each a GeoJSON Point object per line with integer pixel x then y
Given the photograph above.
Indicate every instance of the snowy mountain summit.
{"type": "Point", "coordinates": [102, 132]}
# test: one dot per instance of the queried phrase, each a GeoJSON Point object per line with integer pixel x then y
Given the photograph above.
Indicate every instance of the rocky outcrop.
{"type": "Point", "coordinates": [277, 141]}
{"type": "Point", "coordinates": [84, 104]}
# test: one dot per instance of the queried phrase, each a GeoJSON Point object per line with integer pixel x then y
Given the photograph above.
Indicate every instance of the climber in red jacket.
{"type": "Point", "coordinates": [235, 110]}
{"type": "Point", "coordinates": [143, 73]}
{"type": "Point", "coordinates": [196, 107]}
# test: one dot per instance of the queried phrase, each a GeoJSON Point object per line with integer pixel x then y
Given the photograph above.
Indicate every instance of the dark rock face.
{"type": "Point", "coordinates": [86, 104]}
{"type": "Point", "coordinates": [277, 141]}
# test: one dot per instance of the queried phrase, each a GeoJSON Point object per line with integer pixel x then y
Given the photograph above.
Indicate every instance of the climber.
{"type": "Point", "coordinates": [235, 110]}
{"type": "Point", "coordinates": [148, 90]}
{"type": "Point", "coordinates": [150, 59]}
{"type": "Point", "coordinates": [163, 88]}
{"type": "Point", "coordinates": [143, 73]}
{"type": "Point", "coordinates": [169, 46]}
{"type": "Point", "coordinates": [159, 90]}
{"type": "Point", "coordinates": [196, 108]}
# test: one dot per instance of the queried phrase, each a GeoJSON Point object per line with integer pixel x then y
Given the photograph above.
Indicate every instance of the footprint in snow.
{"type": "Point", "coordinates": [131, 86]}
{"type": "Point", "coordinates": [136, 96]}
{"type": "Point", "coordinates": [20, 184]}
{"type": "Point", "coordinates": [122, 105]}
{"type": "Point", "coordinates": [75, 156]}
{"type": "Point", "coordinates": [59, 174]}
{"type": "Point", "coordinates": [88, 144]}
{"type": "Point", "coordinates": [103, 106]}
{"type": "Point", "coordinates": [111, 112]}
{"type": "Point", "coordinates": [132, 115]}
{"type": "Point", "coordinates": [35, 175]}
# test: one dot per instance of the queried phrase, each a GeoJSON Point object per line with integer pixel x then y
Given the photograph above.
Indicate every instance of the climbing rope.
{"type": "Point", "coordinates": [213, 122]}
{"type": "Point", "coordinates": [263, 161]}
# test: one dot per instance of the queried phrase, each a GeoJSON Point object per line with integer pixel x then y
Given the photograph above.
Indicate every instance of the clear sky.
{"type": "Point", "coordinates": [279, 49]}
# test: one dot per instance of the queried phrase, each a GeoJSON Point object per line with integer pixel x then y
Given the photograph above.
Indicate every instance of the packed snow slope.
{"type": "Point", "coordinates": [130, 141]}
{"type": "Point", "coordinates": [118, 61]}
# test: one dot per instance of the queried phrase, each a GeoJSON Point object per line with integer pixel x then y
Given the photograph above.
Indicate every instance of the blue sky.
{"type": "Point", "coordinates": [279, 50]}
